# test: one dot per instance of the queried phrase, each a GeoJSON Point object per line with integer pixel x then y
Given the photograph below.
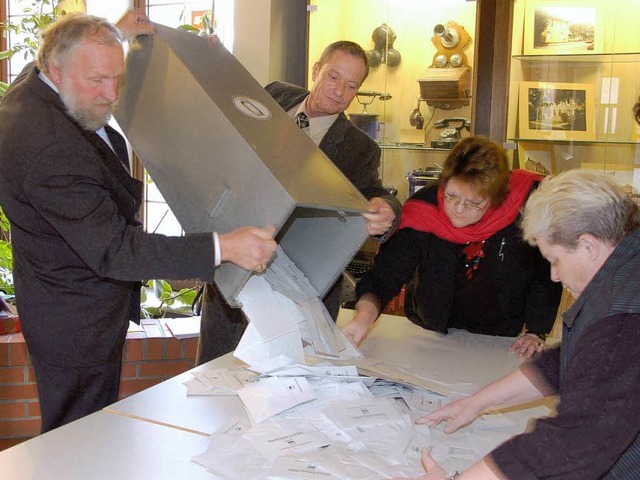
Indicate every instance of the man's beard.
{"type": "Point", "coordinates": [88, 116]}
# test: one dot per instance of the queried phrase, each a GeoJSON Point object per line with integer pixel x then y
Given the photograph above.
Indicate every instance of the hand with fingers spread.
{"type": "Point", "coordinates": [456, 414]}
{"type": "Point", "coordinates": [478, 471]}
{"type": "Point", "coordinates": [248, 247]}
{"type": "Point", "coordinates": [528, 345]}
{"type": "Point", "coordinates": [379, 215]}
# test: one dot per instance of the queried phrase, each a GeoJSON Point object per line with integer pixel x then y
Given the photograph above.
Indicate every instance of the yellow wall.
{"type": "Point", "coordinates": [412, 21]}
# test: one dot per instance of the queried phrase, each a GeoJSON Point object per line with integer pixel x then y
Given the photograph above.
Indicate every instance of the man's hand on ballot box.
{"type": "Point", "coordinates": [134, 23]}
{"type": "Point", "coordinates": [250, 248]}
{"type": "Point", "coordinates": [379, 216]}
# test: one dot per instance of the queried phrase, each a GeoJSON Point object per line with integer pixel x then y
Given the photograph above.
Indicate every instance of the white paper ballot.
{"type": "Point", "coordinates": [235, 426]}
{"type": "Point", "coordinates": [219, 381]}
{"type": "Point", "coordinates": [271, 313]}
{"type": "Point", "coordinates": [266, 356]}
{"type": "Point", "coordinates": [272, 395]}
{"type": "Point", "coordinates": [285, 468]}
{"type": "Point", "coordinates": [316, 371]}
{"type": "Point", "coordinates": [364, 413]}
{"type": "Point", "coordinates": [280, 305]}
{"type": "Point", "coordinates": [276, 439]}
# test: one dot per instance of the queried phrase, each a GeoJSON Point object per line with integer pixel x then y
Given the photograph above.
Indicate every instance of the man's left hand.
{"type": "Point", "coordinates": [134, 23]}
{"type": "Point", "coordinates": [379, 216]}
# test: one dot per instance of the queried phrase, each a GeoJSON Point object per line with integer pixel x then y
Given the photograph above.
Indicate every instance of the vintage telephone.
{"type": "Point", "coordinates": [451, 134]}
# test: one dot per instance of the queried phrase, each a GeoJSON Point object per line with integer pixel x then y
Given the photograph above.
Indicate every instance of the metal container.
{"type": "Point", "coordinates": [225, 155]}
{"type": "Point", "coordinates": [368, 122]}
{"type": "Point", "coordinates": [423, 177]}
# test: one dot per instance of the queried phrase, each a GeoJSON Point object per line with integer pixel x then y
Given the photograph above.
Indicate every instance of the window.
{"type": "Point", "coordinates": [157, 215]}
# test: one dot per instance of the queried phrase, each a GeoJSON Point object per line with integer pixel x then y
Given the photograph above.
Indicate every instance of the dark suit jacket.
{"type": "Point", "coordinates": [352, 150]}
{"type": "Point", "coordinates": [78, 248]}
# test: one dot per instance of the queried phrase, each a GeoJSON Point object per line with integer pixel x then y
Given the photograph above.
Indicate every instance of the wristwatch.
{"type": "Point", "coordinates": [452, 476]}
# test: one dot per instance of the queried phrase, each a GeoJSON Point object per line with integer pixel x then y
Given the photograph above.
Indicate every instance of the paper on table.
{"type": "Point", "coordinates": [376, 368]}
{"type": "Point", "coordinates": [277, 438]}
{"type": "Point", "coordinates": [272, 395]}
{"type": "Point", "coordinates": [220, 381]}
{"type": "Point", "coordinates": [363, 413]}
{"type": "Point", "coordinates": [316, 370]}
{"type": "Point", "coordinates": [184, 327]}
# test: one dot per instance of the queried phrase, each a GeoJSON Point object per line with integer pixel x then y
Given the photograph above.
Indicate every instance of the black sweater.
{"type": "Point", "coordinates": [514, 275]}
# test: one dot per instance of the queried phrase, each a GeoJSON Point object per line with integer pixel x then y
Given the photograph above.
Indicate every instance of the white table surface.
{"type": "Point", "coordinates": [167, 403]}
{"type": "Point", "coordinates": [461, 356]}
{"type": "Point", "coordinates": [155, 433]}
{"type": "Point", "coordinates": [104, 446]}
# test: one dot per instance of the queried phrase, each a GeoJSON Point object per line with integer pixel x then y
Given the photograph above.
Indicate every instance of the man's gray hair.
{"type": "Point", "coordinates": [577, 202]}
{"type": "Point", "coordinates": [69, 31]}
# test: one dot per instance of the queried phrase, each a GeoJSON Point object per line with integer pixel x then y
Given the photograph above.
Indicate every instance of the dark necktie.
{"type": "Point", "coordinates": [302, 120]}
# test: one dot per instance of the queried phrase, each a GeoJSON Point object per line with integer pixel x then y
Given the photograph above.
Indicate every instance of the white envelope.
{"type": "Point", "coordinates": [272, 395]}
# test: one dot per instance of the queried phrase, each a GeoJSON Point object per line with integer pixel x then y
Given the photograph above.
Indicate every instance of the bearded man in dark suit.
{"type": "Point", "coordinates": [337, 76]}
{"type": "Point", "coordinates": [79, 251]}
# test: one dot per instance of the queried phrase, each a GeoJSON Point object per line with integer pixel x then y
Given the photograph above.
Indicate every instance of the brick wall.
{"type": "Point", "coordinates": [145, 362]}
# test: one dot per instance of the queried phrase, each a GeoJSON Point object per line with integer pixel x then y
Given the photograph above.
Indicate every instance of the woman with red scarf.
{"type": "Point", "coordinates": [460, 253]}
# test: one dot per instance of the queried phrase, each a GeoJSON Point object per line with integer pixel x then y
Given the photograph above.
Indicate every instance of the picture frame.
{"type": "Point", "coordinates": [538, 157]}
{"type": "Point", "coordinates": [557, 111]}
{"type": "Point", "coordinates": [561, 27]}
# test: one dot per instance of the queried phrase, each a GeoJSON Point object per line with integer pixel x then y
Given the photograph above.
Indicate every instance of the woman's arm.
{"type": "Point", "coordinates": [511, 389]}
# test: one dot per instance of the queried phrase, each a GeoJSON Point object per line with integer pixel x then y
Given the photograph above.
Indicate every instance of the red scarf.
{"type": "Point", "coordinates": [426, 217]}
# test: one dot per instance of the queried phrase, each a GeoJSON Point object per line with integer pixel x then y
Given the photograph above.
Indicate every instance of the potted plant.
{"type": "Point", "coordinates": [38, 14]}
{"type": "Point", "coordinates": [6, 257]}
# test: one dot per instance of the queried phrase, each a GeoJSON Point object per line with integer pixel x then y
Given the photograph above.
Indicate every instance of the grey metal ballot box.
{"type": "Point", "coordinates": [224, 155]}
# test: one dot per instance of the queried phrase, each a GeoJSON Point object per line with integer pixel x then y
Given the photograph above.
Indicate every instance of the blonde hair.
{"type": "Point", "coordinates": [69, 31]}
{"type": "Point", "coordinates": [576, 202]}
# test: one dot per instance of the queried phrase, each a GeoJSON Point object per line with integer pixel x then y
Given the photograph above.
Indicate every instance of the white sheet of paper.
{"type": "Point", "coordinates": [363, 413]}
{"type": "Point", "coordinates": [277, 438]}
{"type": "Point", "coordinates": [271, 313]}
{"type": "Point", "coordinates": [266, 356]}
{"type": "Point", "coordinates": [231, 457]}
{"type": "Point", "coordinates": [325, 370]}
{"type": "Point", "coordinates": [272, 395]}
{"type": "Point", "coordinates": [285, 313]}
{"type": "Point", "coordinates": [235, 426]}
{"type": "Point", "coordinates": [196, 388]}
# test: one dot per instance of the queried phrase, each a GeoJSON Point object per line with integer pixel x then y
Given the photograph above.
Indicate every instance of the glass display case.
{"type": "Point", "coordinates": [573, 84]}
{"type": "Point", "coordinates": [416, 101]}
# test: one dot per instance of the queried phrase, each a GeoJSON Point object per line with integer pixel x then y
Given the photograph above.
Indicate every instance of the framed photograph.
{"type": "Point", "coordinates": [557, 111]}
{"type": "Point", "coordinates": [563, 27]}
